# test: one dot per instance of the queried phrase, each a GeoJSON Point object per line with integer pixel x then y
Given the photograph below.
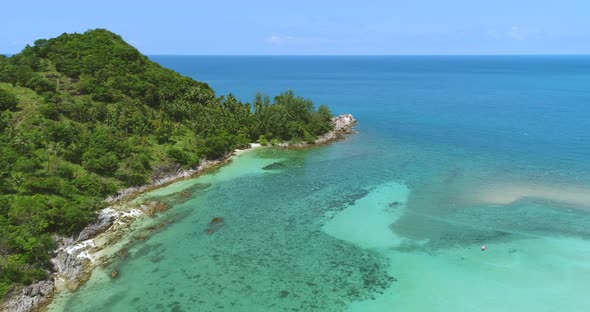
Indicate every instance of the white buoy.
{"type": "Point", "coordinates": [483, 247]}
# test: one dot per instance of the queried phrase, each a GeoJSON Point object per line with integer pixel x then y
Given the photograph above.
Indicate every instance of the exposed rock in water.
{"type": "Point", "coordinates": [30, 298]}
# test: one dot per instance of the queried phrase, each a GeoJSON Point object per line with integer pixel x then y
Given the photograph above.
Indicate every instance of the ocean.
{"type": "Point", "coordinates": [451, 153]}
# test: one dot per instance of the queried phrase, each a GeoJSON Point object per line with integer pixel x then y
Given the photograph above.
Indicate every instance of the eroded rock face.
{"type": "Point", "coordinates": [30, 298]}
{"type": "Point", "coordinates": [72, 261]}
{"type": "Point", "coordinates": [104, 221]}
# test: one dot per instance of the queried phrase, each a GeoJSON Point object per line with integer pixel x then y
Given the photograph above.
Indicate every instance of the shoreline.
{"type": "Point", "coordinates": [76, 258]}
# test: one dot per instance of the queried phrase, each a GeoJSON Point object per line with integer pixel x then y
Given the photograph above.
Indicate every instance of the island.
{"type": "Point", "coordinates": [85, 118]}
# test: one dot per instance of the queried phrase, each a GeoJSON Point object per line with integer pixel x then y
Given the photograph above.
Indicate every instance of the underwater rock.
{"type": "Point", "coordinates": [214, 225]}
{"type": "Point", "coordinates": [395, 204]}
{"type": "Point", "coordinates": [156, 259]}
{"type": "Point", "coordinates": [181, 197]}
{"type": "Point", "coordinates": [283, 293]}
{"type": "Point", "coordinates": [152, 207]}
{"type": "Point", "coordinates": [275, 166]}
{"type": "Point", "coordinates": [123, 253]}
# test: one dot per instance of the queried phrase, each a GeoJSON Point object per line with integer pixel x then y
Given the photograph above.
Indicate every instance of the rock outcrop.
{"type": "Point", "coordinates": [30, 298]}
{"type": "Point", "coordinates": [72, 262]}
{"type": "Point", "coordinates": [104, 221]}
{"type": "Point", "coordinates": [342, 125]}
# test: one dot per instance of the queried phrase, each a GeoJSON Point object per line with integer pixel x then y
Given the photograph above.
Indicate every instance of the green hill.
{"type": "Point", "coordinates": [83, 115]}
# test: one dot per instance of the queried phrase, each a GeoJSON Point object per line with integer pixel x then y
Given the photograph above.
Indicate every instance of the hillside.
{"type": "Point", "coordinates": [83, 115]}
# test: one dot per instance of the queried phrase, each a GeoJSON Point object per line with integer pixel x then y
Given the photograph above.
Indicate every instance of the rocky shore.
{"type": "Point", "coordinates": [343, 125]}
{"type": "Point", "coordinates": [76, 257]}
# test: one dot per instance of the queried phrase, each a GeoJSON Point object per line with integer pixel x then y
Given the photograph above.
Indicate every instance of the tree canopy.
{"type": "Point", "coordinates": [83, 115]}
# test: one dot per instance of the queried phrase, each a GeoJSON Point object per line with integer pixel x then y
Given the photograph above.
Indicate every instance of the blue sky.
{"type": "Point", "coordinates": [312, 27]}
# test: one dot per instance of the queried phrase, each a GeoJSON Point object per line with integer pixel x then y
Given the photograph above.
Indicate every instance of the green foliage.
{"type": "Point", "coordinates": [290, 118]}
{"type": "Point", "coordinates": [8, 100]}
{"type": "Point", "coordinates": [274, 142]}
{"type": "Point", "coordinates": [262, 140]}
{"type": "Point", "coordinates": [135, 170]}
{"type": "Point", "coordinates": [308, 137]}
{"type": "Point", "coordinates": [83, 115]}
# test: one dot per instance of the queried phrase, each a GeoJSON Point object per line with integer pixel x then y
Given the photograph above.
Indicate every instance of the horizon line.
{"type": "Point", "coordinates": [372, 55]}
{"type": "Point", "coordinates": [353, 55]}
{"type": "Point", "coordinates": [417, 54]}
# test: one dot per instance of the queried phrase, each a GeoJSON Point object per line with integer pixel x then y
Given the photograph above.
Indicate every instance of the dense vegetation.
{"type": "Point", "coordinates": [83, 115]}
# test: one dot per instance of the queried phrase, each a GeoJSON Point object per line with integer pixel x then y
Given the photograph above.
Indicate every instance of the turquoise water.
{"type": "Point", "coordinates": [451, 153]}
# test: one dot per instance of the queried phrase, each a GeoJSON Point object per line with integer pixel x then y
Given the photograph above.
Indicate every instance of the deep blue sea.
{"type": "Point", "coordinates": [514, 105]}
{"type": "Point", "coordinates": [451, 153]}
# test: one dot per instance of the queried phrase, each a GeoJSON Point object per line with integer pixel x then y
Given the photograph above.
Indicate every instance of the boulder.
{"type": "Point", "coordinates": [30, 298]}
{"type": "Point", "coordinates": [104, 221]}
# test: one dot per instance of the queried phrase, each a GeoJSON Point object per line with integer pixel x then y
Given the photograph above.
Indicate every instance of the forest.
{"type": "Point", "coordinates": [84, 115]}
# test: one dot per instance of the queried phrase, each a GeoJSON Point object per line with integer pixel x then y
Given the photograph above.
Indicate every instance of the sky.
{"type": "Point", "coordinates": [311, 27]}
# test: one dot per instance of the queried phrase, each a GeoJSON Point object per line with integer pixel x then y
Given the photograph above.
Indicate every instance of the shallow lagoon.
{"type": "Point", "coordinates": [295, 238]}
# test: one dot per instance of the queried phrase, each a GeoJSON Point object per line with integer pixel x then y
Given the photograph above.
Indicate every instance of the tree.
{"type": "Point", "coordinates": [8, 100]}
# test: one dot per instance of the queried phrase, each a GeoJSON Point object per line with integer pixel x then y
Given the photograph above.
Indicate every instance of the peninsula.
{"type": "Point", "coordinates": [84, 116]}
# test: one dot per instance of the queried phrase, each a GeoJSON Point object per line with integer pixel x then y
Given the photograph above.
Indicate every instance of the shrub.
{"type": "Point", "coordinates": [308, 137]}
{"type": "Point", "coordinates": [8, 100]}
{"type": "Point", "coordinates": [262, 140]}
